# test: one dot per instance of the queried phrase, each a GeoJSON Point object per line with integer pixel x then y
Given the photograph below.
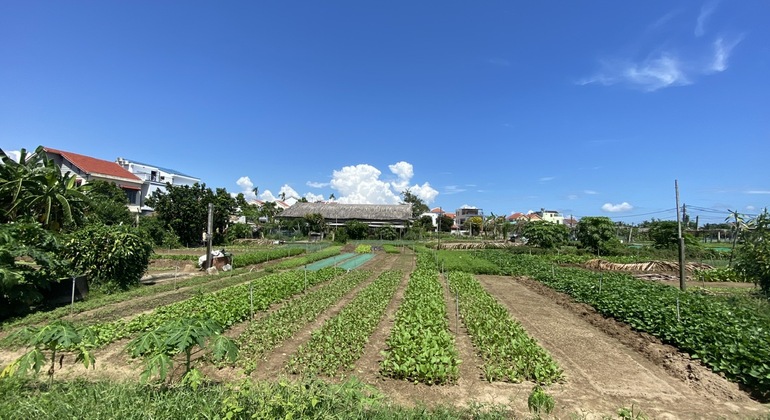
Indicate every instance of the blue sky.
{"type": "Point", "coordinates": [589, 108]}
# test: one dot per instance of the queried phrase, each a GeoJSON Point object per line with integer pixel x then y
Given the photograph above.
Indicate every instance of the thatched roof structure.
{"type": "Point", "coordinates": [337, 214]}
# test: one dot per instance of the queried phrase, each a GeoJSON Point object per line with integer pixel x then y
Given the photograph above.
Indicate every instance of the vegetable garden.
{"type": "Point", "coordinates": [403, 330]}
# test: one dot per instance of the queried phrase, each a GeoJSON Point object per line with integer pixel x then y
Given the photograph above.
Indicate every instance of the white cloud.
{"type": "Point", "coordinates": [288, 192]}
{"type": "Point", "coordinates": [722, 50]}
{"type": "Point", "coordinates": [758, 192]}
{"type": "Point", "coordinates": [246, 188]}
{"type": "Point", "coordinates": [404, 171]}
{"type": "Point", "coordinates": [314, 197]}
{"type": "Point", "coordinates": [705, 12]}
{"type": "Point", "coordinates": [267, 195]}
{"type": "Point", "coordinates": [361, 184]}
{"type": "Point", "coordinates": [453, 189]}
{"type": "Point", "coordinates": [590, 192]}
{"type": "Point", "coordinates": [616, 208]}
{"type": "Point", "coordinates": [750, 208]}
{"type": "Point", "coordinates": [15, 155]}
{"type": "Point", "coordinates": [313, 184]}
{"type": "Point", "coordinates": [467, 206]}
{"type": "Point", "coordinates": [572, 197]}
{"type": "Point", "coordinates": [547, 178]}
{"type": "Point", "coordinates": [649, 75]}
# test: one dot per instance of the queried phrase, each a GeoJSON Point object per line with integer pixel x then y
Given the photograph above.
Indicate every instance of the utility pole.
{"type": "Point", "coordinates": [680, 239]}
{"type": "Point", "coordinates": [209, 235]}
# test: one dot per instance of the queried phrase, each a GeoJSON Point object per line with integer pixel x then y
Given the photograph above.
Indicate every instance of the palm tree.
{"type": "Point", "coordinates": [255, 190]}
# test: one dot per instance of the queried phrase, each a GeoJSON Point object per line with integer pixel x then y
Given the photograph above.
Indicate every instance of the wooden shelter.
{"type": "Point", "coordinates": [337, 214]}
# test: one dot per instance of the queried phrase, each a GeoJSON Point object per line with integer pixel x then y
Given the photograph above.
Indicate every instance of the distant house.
{"type": "Point", "coordinates": [88, 169]}
{"type": "Point", "coordinates": [337, 214]}
{"type": "Point", "coordinates": [463, 214]}
{"type": "Point", "coordinates": [571, 222]}
{"type": "Point", "coordinates": [154, 178]}
{"type": "Point", "coordinates": [552, 216]}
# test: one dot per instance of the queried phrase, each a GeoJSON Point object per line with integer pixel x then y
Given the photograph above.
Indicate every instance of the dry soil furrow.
{"type": "Point", "coordinates": [602, 374]}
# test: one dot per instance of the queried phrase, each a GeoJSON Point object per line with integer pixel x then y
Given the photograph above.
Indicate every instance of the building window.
{"type": "Point", "coordinates": [154, 176]}
{"type": "Point", "coordinates": [131, 194]}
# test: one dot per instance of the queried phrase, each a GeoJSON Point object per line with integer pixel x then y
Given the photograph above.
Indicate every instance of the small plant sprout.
{"type": "Point", "coordinates": [539, 402]}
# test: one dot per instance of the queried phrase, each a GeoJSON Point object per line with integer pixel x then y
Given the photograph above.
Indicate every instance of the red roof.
{"type": "Point", "coordinates": [516, 216]}
{"type": "Point", "coordinates": [94, 166]}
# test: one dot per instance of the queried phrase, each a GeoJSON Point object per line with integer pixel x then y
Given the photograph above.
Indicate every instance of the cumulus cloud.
{"type": "Point", "coordinates": [314, 197]}
{"type": "Point", "coordinates": [247, 188]}
{"type": "Point", "coordinates": [362, 184]}
{"type": "Point", "coordinates": [313, 184]}
{"type": "Point", "coordinates": [590, 192]}
{"type": "Point", "coordinates": [467, 206]}
{"type": "Point", "coordinates": [617, 208]}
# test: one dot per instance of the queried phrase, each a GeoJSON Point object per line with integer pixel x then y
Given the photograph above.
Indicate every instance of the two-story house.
{"type": "Point", "coordinates": [154, 178]}
{"type": "Point", "coordinates": [88, 169]}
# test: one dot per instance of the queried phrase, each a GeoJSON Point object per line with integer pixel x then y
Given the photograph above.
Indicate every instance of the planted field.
{"type": "Point", "coordinates": [397, 338]}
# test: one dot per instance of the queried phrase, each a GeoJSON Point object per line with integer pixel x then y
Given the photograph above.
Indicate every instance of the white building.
{"type": "Point", "coordinates": [154, 178]}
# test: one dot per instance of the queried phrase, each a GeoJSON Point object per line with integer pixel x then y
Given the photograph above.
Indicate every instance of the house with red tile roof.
{"type": "Point", "coordinates": [154, 178]}
{"type": "Point", "coordinates": [88, 169]}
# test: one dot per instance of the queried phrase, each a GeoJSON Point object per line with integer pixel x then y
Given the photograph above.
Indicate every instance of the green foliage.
{"type": "Point", "coordinates": [387, 233]}
{"type": "Point", "coordinates": [249, 399]}
{"type": "Point", "coordinates": [29, 261]}
{"type": "Point", "coordinates": [226, 306]}
{"type": "Point", "coordinates": [720, 274]}
{"type": "Point", "coordinates": [539, 402]}
{"type": "Point", "coordinates": [314, 222]}
{"type": "Point", "coordinates": [180, 336]}
{"type": "Point", "coordinates": [418, 206]}
{"type": "Point", "coordinates": [341, 340]}
{"type": "Point", "coordinates": [597, 234]}
{"type": "Point", "coordinates": [356, 230]}
{"type": "Point", "coordinates": [55, 338]}
{"type": "Point", "coordinates": [474, 224]}
{"type": "Point", "coordinates": [107, 203]}
{"type": "Point", "coordinates": [420, 346]}
{"type": "Point", "coordinates": [161, 235]}
{"type": "Point", "coordinates": [664, 235]}
{"type": "Point", "coordinates": [111, 255]}
{"type": "Point", "coordinates": [184, 210]}
{"type": "Point", "coordinates": [465, 261]}
{"type": "Point", "coordinates": [727, 336]}
{"type": "Point", "coordinates": [509, 354]}
{"type": "Point", "coordinates": [309, 258]}
{"type": "Point", "coordinates": [238, 231]}
{"type": "Point", "coordinates": [35, 188]}
{"type": "Point", "coordinates": [391, 249]}
{"type": "Point", "coordinates": [545, 234]}
{"type": "Point", "coordinates": [753, 255]}
{"type": "Point", "coordinates": [264, 335]}
{"type": "Point", "coordinates": [363, 249]}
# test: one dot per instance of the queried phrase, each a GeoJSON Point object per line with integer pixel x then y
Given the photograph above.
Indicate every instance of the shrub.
{"type": "Point", "coordinates": [112, 256]}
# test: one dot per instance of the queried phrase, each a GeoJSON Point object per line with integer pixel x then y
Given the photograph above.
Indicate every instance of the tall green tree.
{"type": "Point", "coordinates": [356, 230]}
{"type": "Point", "coordinates": [107, 203]}
{"type": "Point", "coordinates": [418, 206]}
{"type": "Point", "coordinates": [314, 222]}
{"type": "Point", "coordinates": [184, 209]}
{"type": "Point", "coordinates": [738, 226]}
{"type": "Point", "coordinates": [545, 234]}
{"type": "Point", "coordinates": [664, 234]}
{"type": "Point", "coordinates": [597, 234]}
{"type": "Point", "coordinates": [444, 223]}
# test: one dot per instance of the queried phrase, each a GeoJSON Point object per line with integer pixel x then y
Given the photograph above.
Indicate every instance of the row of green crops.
{"type": "Point", "coordinates": [261, 256]}
{"type": "Point", "coordinates": [309, 258]}
{"type": "Point", "coordinates": [509, 354]}
{"type": "Point", "coordinates": [363, 249]}
{"type": "Point", "coordinates": [265, 334]}
{"type": "Point", "coordinates": [420, 346]}
{"type": "Point", "coordinates": [733, 339]}
{"type": "Point", "coordinates": [340, 342]}
{"type": "Point", "coordinates": [465, 261]}
{"type": "Point", "coordinates": [391, 249]}
{"type": "Point", "coordinates": [226, 306]}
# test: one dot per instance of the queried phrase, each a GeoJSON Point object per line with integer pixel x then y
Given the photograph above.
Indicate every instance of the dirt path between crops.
{"type": "Point", "coordinates": [607, 365]}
